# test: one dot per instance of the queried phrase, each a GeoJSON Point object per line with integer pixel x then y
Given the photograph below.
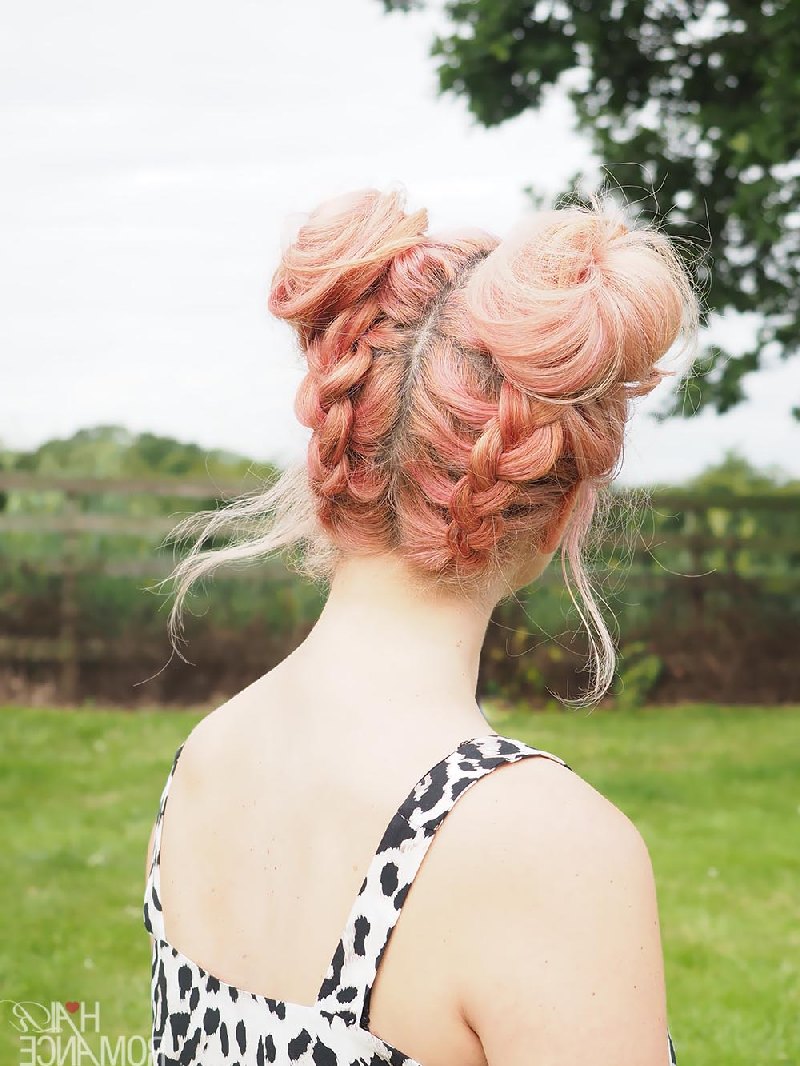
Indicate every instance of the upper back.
{"type": "Point", "coordinates": [317, 875]}
{"type": "Point", "coordinates": [282, 904]}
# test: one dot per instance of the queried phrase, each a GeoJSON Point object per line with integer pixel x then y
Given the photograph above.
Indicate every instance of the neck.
{"type": "Point", "coordinates": [408, 646]}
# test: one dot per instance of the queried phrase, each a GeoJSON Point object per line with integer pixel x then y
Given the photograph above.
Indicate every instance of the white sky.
{"type": "Point", "coordinates": [150, 154]}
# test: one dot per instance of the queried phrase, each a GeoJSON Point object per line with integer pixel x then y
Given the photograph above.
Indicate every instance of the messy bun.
{"type": "Point", "coordinates": [339, 254]}
{"type": "Point", "coordinates": [460, 390]}
{"type": "Point", "coordinates": [575, 302]}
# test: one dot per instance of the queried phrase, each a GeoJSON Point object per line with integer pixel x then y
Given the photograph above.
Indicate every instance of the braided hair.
{"type": "Point", "coordinates": [460, 389]}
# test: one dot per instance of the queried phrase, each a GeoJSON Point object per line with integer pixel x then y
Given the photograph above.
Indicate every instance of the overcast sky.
{"type": "Point", "coordinates": [151, 154]}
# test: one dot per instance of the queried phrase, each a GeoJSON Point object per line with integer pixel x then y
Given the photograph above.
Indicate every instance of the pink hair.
{"type": "Point", "coordinates": [460, 388]}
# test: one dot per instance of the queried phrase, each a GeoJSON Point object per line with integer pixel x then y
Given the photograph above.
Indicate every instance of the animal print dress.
{"type": "Point", "coordinates": [200, 1020]}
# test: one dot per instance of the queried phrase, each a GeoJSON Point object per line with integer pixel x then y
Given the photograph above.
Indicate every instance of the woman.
{"type": "Point", "coordinates": [467, 399]}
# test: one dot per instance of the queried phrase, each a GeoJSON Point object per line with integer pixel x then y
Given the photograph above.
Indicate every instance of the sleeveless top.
{"type": "Point", "coordinates": [200, 1020]}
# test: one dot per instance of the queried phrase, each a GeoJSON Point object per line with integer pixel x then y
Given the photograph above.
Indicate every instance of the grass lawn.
{"type": "Point", "coordinates": [715, 792]}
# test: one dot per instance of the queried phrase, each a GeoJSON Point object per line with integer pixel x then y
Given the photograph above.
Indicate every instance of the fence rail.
{"type": "Point", "coordinates": [70, 519]}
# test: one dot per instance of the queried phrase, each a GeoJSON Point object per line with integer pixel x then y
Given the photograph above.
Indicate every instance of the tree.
{"type": "Point", "coordinates": [703, 96]}
{"type": "Point", "coordinates": [115, 452]}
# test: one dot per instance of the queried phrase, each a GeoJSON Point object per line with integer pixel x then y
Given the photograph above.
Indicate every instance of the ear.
{"type": "Point", "coordinates": [553, 539]}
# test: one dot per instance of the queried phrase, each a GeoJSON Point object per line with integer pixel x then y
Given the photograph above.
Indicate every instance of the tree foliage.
{"type": "Point", "coordinates": [116, 452]}
{"type": "Point", "coordinates": [698, 100]}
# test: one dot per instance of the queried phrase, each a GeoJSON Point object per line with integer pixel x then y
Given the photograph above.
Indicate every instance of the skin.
{"type": "Point", "coordinates": [531, 933]}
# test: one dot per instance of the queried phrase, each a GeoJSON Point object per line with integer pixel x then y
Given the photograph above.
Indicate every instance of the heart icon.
{"type": "Point", "coordinates": [72, 1006]}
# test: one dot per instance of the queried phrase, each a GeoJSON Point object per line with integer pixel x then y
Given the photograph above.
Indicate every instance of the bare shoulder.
{"type": "Point", "coordinates": [539, 802]}
{"type": "Point", "coordinates": [213, 742]}
{"type": "Point", "coordinates": [564, 959]}
{"type": "Point", "coordinates": [203, 752]}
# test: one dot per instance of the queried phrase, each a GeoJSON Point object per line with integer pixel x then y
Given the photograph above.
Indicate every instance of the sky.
{"type": "Point", "coordinates": [153, 157]}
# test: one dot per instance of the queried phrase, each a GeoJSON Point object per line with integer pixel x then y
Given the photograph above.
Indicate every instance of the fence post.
{"type": "Point", "coordinates": [70, 652]}
{"type": "Point", "coordinates": [696, 555]}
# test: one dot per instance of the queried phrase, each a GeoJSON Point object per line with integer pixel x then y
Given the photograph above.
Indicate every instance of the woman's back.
{"type": "Point", "coordinates": [274, 820]}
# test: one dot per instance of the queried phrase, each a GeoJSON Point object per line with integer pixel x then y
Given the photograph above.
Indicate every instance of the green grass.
{"type": "Point", "coordinates": [714, 791]}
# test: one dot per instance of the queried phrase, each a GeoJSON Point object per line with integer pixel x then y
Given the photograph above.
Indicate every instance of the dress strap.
{"type": "Point", "coordinates": [153, 916]}
{"type": "Point", "coordinates": [347, 986]}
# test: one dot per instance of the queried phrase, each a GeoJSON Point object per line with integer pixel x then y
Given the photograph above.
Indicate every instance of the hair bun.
{"type": "Point", "coordinates": [575, 301]}
{"type": "Point", "coordinates": [339, 253]}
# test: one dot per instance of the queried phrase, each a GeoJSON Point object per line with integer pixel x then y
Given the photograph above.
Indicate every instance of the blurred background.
{"type": "Point", "coordinates": [155, 158]}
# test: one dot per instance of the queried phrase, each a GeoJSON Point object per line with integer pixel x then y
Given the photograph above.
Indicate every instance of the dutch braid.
{"type": "Point", "coordinates": [519, 444]}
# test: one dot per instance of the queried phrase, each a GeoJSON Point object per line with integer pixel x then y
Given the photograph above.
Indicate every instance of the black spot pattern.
{"type": "Point", "coordinates": [241, 1036]}
{"type": "Point", "coordinates": [323, 1055]}
{"type": "Point", "coordinates": [299, 1044]}
{"type": "Point", "coordinates": [179, 1023]}
{"type": "Point", "coordinates": [389, 879]}
{"type": "Point", "coordinates": [400, 898]}
{"type": "Point", "coordinates": [200, 1020]}
{"type": "Point", "coordinates": [184, 980]}
{"type": "Point", "coordinates": [362, 928]}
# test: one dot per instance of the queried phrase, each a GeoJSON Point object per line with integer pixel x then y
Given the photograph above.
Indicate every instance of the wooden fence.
{"type": "Point", "coordinates": [70, 521]}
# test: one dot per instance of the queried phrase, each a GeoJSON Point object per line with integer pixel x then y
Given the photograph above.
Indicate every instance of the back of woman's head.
{"type": "Point", "coordinates": [461, 391]}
